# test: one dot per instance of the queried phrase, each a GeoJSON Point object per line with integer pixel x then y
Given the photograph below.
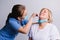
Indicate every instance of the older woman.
{"type": "Point", "coordinates": [44, 29]}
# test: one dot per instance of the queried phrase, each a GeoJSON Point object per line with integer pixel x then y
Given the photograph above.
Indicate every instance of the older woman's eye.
{"type": "Point", "coordinates": [45, 11]}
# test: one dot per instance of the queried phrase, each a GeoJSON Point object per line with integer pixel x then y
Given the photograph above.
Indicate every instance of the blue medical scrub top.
{"type": "Point", "coordinates": [10, 30]}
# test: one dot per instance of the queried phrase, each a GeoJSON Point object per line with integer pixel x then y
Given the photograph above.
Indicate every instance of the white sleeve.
{"type": "Point", "coordinates": [30, 33]}
{"type": "Point", "coordinates": [55, 33]}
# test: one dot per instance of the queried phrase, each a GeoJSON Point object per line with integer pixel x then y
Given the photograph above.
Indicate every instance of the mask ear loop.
{"type": "Point", "coordinates": [26, 18]}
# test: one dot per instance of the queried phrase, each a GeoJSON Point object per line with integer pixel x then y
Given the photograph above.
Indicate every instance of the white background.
{"type": "Point", "coordinates": [32, 6]}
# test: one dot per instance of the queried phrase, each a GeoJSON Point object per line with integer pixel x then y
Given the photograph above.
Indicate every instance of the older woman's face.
{"type": "Point", "coordinates": [43, 14]}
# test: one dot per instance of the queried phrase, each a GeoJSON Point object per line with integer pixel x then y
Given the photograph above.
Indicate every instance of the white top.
{"type": "Point", "coordinates": [49, 32]}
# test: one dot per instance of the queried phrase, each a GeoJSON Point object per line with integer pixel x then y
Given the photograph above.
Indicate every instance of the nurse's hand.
{"type": "Point", "coordinates": [34, 15]}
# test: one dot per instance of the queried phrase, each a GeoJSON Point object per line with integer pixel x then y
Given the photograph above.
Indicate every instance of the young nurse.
{"type": "Point", "coordinates": [44, 29]}
{"type": "Point", "coordinates": [16, 23]}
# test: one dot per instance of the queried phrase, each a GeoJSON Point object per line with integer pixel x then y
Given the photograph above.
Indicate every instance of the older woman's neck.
{"type": "Point", "coordinates": [42, 25]}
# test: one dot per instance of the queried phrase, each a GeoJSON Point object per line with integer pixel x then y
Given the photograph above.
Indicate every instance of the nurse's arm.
{"type": "Point", "coordinates": [26, 28]}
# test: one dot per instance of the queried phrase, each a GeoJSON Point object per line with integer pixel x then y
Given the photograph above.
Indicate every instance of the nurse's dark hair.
{"type": "Point", "coordinates": [17, 11]}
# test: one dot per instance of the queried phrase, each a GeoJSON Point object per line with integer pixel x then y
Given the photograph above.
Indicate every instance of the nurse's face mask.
{"type": "Point", "coordinates": [26, 18]}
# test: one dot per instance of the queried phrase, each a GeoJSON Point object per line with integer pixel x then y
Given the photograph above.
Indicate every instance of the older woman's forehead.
{"type": "Point", "coordinates": [45, 10]}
